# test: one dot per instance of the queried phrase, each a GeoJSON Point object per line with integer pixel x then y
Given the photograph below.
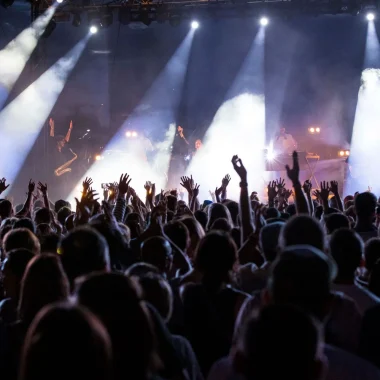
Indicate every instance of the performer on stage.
{"type": "Point", "coordinates": [64, 156]}
{"type": "Point", "coordinates": [284, 143]}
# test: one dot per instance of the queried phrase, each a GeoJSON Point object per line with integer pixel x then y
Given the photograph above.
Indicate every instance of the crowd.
{"type": "Point", "coordinates": [168, 289]}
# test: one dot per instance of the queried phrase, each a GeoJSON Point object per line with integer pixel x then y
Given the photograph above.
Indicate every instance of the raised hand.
{"type": "Point", "coordinates": [151, 193]}
{"type": "Point", "coordinates": [325, 191]}
{"type": "Point", "coordinates": [280, 183]}
{"type": "Point", "coordinates": [272, 192]}
{"type": "Point", "coordinates": [317, 195]}
{"type": "Point", "coordinates": [294, 172]}
{"type": "Point", "coordinates": [226, 180]}
{"type": "Point", "coordinates": [3, 186]}
{"type": "Point", "coordinates": [307, 187]}
{"type": "Point", "coordinates": [124, 184]}
{"type": "Point", "coordinates": [239, 168]}
{"type": "Point", "coordinates": [31, 186]}
{"type": "Point", "coordinates": [147, 186]}
{"type": "Point", "coordinates": [334, 187]}
{"type": "Point", "coordinates": [287, 194]}
{"type": "Point", "coordinates": [254, 196]}
{"type": "Point", "coordinates": [86, 184]}
{"type": "Point", "coordinates": [42, 188]}
{"type": "Point", "coordinates": [196, 190]}
{"type": "Point", "coordinates": [187, 183]}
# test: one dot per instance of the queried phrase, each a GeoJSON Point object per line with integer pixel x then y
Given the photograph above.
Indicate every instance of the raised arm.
{"type": "Point", "coordinates": [245, 212]}
{"type": "Point", "coordinates": [43, 189]}
{"type": "Point", "coordinates": [27, 205]}
{"type": "Point", "coordinates": [334, 189]}
{"type": "Point", "coordinates": [293, 174]}
{"type": "Point", "coordinates": [307, 190]}
{"type": "Point", "coordinates": [68, 134]}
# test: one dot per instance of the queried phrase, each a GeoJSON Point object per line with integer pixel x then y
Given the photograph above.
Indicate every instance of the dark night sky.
{"type": "Point", "coordinates": [312, 69]}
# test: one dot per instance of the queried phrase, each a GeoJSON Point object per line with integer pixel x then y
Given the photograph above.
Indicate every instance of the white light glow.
{"type": "Point", "coordinates": [59, 1]}
{"type": "Point", "coordinates": [370, 16]}
{"type": "Point", "coordinates": [15, 55]}
{"type": "Point", "coordinates": [22, 119]}
{"type": "Point", "coordinates": [93, 29]}
{"type": "Point", "coordinates": [195, 24]}
{"type": "Point", "coordinates": [128, 134]}
{"type": "Point", "coordinates": [366, 134]}
{"type": "Point", "coordinates": [264, 21]}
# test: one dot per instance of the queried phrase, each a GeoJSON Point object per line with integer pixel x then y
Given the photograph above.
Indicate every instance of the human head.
{"type": "Point", "coordinates": [21, 238]}
{"type": "Point", "coordinates": [198, 144]}
{"type": "Point", "coordinates": [158, 252]}
{"type": "Point", "coordinates": [116, 300]}
{"type": "Point", "coordinates": [157, 291]}
{"type": "Point", "coordinates": [6, 210]}
{"type": "Point", "coordinates": [42, 216]}
{"type": "Point", "coordinates": [62, 215]}
{"type": "Point", "coordinates": [216, 211]}
{"type": "Point", "coordinates": [50, 243]}
{"type": "Point", "coordinates": [83, 251]}
{"type": "Point", "coordinates": [25, 223]}
{"type": "Point", "coordinates": [371, 253]}
{"type": "Point", "coordinates": [233, 208]}
{"type": "Point", "coordinates": [61, 204]}
{"type": "Point", "coordinates": [66, 342]}
{"type": "Point", "coordinates": [201, 217]}
{"type": "Point", "coordinates": [269, 236]}
{"type": "Point", "coordinates": [69, 222]}
{"type": "Point", "coordinates": [272, 212]}
{"type": "Point", "coordinates": [365, 206]}
{"type": "Point", "coordinates": [196, 232]}
{"type": "Point", "coordinates": [215, 258]}
{"type": "Point", "coordinates": [13, 269]}
{"type": "Point", "coordinates": [178, 233]}
{"type": "Point", "coordinates": [172, 203]}
{"type": "Point", "coordinates": [335, 221]}
{"type": "Point", "coordinates": [302, 276]}
{"type": "Point", "coordinates": [281, 342]}
{"type": "Point", "coordinates": [346, 247]}
{"type": "Point", "coordinates": [44, 282]}
{"type": "Point", "coordinates": [141, 269]}
{"type": "Point", "coordinates": [301, 230]}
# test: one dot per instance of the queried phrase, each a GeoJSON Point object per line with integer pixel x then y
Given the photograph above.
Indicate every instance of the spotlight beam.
{"type": "Point", "coordinates": [22, 119]}
{"type": "Point", "coordinates": [16, 54]}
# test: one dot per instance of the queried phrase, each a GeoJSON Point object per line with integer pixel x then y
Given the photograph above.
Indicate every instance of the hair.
{"type": "Point", "coordinates": [282, 342]}
{"type": "Point", "coordinates": [217, 211]}
{"type": "Point", "coordinates": [201, 218]}
{"type": "Point", "coordinates": [125, 231]}
{"type": "Point", "coordinates": [83, 251]}
{"type": "Point", "coordinates": [6, 209]}
{"type": "Point", "coordinates": [141, 269]}
{"type": "Point", "coordinates": [346, 247]}
{"type": "Point", "coordinates": [221, 224]}
{"type": "Point", "coordinates": [66, 342]}
{"type": "Point", "coordinates": [336, 221]}
{"type": "Point", "coordinates": [42, 216]}
{"type": "Point", "coordinates": [215, 258]}
{"type": "Point", "coordinates": [269, 239]}
{"type": "Point", "coordinates": [69, 223]}
{"type": "Point", "coordinates": [158, 252]}
{"type": "Point", "coordinates": [178, 233]}
{"type": "Point", "coordinates": [44, 282]}
{"type": "Point", "coordinates": [291, 209]}
{"type": "Point", "coordinates": [50, 243]}
{"type": "Point", "coordinates": [303, 230]}
{"type": "Point", "coordinates": [157, 291]}
{"type": "Point", "coordinates": [60, 204]}
{"type": "Point", "coordinates": [62, 214]}
{"type": "Point", "coordinates": [25, 223]}
{"type": "Point", "coordinates": [272, 212]}
{"type": "Point", "coordinates": [43, 229]}
{"type": "Point", "coordinates": [371, 253]}
{"type": "Point", "coordinates": [196, 233]}
{"type": "Point", "coordinates": [21, 238]}
{"type": "Point", "coordinates": [116, 300]}
{"type": "Point", "coordinates": [172, 203]}
{"type": "Point", "coordinates": [233, 208]}
{"type": "Point", "coordinates": [302, 276]}
{"type": "Point", "coordinates": [365, 205]}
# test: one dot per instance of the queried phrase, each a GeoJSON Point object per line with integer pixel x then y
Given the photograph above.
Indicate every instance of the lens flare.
{"type": "Point", "coordinates": [264, 21]}
{"type": "Point", "coordinates": [93, 30]}
{"type": "Point", "coordinates": [195, 24]}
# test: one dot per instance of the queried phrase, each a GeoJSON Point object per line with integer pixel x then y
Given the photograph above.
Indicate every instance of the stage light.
{"type": "Point", "coordinates": [312, 130]}
{"type": "Point", "coordinates": [318, 130]}
{"type": "Point", "coordinates": [76, 20]}
{"type": "Point", "coordinates": [347, 152]}
{"type": "Point", "coordinates": [370, 16]}
{"type": "Point", "coordinates": [93, 29]}
{"type": "Point", "coordinates": [271, 155]}
{"type": "Point", "coordinates": [59, 1]}
{"type": "Point", "coordinates": [195, 25]}
{"type": "Point", "coordinates": [134, 134]}
{"type": "Point", "coordinates": [98, 157]}
{"type": "Point", "coordinates": [264, 21]}
{"type": "Point", "coordinates": [128, 134]}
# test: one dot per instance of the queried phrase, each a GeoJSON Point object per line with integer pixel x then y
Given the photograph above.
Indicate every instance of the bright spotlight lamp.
{"type": "Point", "coordinates": [312, 130]}
{"type": "Point", "coordinates": [344, 153]}
{"type": "Point", "coordinates": [264, 21]}
{"type": "Point", "coordinates": [128, 134]}
{"type": "Point", "coordinates": [98, 157]}
{"type": "Point", "coordinates": [194, 24]}
{"type": "Point", "coordinates": [318, 130]}
{"type": "Point", "coordinates": [93, 29]}
{"type": "Point", "coordinates": [59, 1]}
{"type": "Point", "coordinates": [370, 16]}
{"type": "Point", "coordinates": [134, 134]}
